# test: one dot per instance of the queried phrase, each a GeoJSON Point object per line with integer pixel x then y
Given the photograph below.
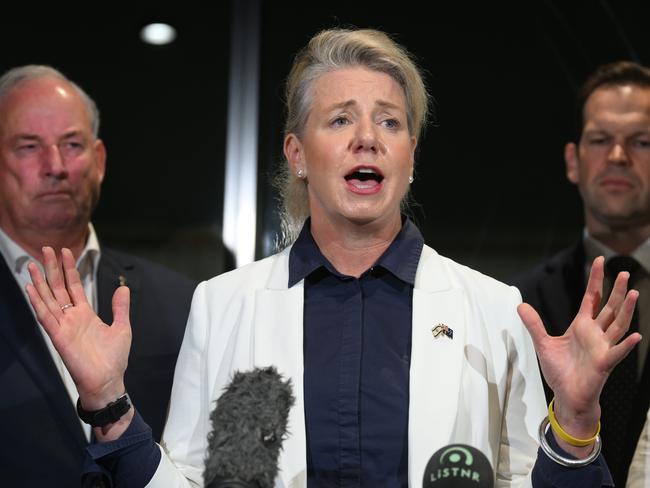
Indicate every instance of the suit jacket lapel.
{"type": "Point", "coordinates": [561, 294]}
{"type": "Point", "coordinates": [19, 328]}
{"type": "Point", "coordinates": [113, 271]}
{"type": "Point", "coordinates": [279, 342]}
{"type": "Point", "coordinates": [436, 363]}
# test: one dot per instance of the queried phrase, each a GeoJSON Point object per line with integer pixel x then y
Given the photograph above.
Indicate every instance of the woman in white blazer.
{"type": "Point", "coordinates": [356, 107]}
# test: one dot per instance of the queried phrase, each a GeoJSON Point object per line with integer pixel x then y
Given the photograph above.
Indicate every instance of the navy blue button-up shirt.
{"type": "Point", "coordinates": [357, 345]}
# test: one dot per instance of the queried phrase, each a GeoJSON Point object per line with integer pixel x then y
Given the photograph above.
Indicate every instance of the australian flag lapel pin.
{"type": "Point", "coordinates": [442, 329]}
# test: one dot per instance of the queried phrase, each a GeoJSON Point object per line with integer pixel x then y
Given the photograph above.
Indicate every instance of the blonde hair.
{"type": "Point", "coordinates": [328, 51]}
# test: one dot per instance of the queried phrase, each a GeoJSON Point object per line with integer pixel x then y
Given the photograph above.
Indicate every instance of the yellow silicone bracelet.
{"type": "Point", "coordinates": [564, 435]}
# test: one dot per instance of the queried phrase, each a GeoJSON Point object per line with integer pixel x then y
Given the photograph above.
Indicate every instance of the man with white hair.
{"type": "Point", "coordinates": [52, 164]}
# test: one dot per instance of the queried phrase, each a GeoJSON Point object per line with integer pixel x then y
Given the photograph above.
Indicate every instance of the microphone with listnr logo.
{"type": "Point", "coordinates": [249, 424]}
{"type": "Point", "coordinates": [458, 466]}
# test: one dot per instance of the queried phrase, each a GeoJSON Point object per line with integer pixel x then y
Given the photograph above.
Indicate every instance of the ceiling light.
{"type": "Point", "coordinates": [158, 34]}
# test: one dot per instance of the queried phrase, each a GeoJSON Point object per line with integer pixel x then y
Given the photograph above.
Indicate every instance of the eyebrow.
{"type": "Point", "coordinates": [34, 137]}
{"type": "Point", "coordinates": [352, 102]}
{"type": "Point", "coordinates": [72, 133]}
{"type": "Point", "coordinates": [640, 132]}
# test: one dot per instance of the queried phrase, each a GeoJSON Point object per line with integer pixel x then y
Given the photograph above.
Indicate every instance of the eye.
{"type": "Point", "coordinates": [340, 121]}
{"type": "Point", "coordinates": [72, 147]}
{"type": "Point", "coordinates": [391, 123]}
{"type": "Point", "coordinates": [598, 140]}
{"type": "Point", "coordinates": [26, 149]}
{"type": "Point", "coordinates": [641, 143]}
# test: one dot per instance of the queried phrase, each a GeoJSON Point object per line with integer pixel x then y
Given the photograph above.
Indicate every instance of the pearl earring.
{"type": "Point", "coordinates": [300, 173]}
{"type": "Point", "coordinates": [410, 179]}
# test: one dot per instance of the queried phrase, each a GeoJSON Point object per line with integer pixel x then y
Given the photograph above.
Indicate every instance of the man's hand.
{"type": "Point", "coordinates": [95, 354]}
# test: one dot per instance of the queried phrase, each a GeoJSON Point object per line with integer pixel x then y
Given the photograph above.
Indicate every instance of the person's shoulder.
{"type": "Point", "coordinates": [569, 258]}
{"type": "Point", "coordinates": [130, 263]}
{"type": "Point", "coordinates": [459, 275]}
{"type": "Point", "coordinates": [255, 274]}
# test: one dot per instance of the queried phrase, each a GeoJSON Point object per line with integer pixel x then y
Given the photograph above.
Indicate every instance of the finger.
{"type": "Point", "coordinates": [121, 304]}
{"type": "Point", "coordinates": [591, 299]}
{"type": "Point", "coordinates": [75, 287]}
{"type": "Point", "coordinates": [618, 352]}
{"type": "Point", "coordinates": [54, 276]}
{"type": "Point", "coordinates": [44, 291]}
{"type": "Point", "coordinates": [621, 323]}
{"type": "Point", "coordinates": [609, 312]}
{"type": "Point", "coordinates": [534, 324]}
{"type": "Point", "coordinates": [45, 317]}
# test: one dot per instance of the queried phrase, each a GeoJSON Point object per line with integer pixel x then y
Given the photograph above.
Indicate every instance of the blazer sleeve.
{"type": "Point", "coordinates": [524, 406]}
{"type": "Point", "coordinates": [639, 472]}
{"type": "Point", "coordinates": [184, 439]}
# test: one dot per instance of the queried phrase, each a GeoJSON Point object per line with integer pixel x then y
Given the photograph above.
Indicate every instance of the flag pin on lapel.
{"type": "Point", "coordinates": [442, 329]}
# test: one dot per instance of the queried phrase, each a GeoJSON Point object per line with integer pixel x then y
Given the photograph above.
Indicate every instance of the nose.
{"type": "Point", "coordinates": [54, 164]}
{"type": "Point", "coordinates": [366, 137]}
{"type": "Point", "coordinates": [618, 155]}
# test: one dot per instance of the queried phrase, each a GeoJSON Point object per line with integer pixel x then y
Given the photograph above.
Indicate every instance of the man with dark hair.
{"type": "Point", "coordinates": [610, 164]}
{"type": "Point", "coordinates": [52, 165]}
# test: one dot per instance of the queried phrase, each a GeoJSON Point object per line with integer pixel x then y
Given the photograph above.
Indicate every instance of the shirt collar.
{"type": "Point", "coordinates": [595, 248]}
{"type": "Point", "coordinates": [17, 258]}
{"type": "Point", "coordinates": [401, 258]}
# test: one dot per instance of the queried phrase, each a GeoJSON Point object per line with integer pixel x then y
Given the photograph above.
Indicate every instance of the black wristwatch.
{"type": "Point", "coordinates": [109, 414]}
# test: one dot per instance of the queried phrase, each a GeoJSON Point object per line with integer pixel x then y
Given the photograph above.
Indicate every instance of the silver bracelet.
{"type": "Point", "coordinates": [565, 461]}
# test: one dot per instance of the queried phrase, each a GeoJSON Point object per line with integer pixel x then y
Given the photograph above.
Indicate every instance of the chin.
{"type": "Point", "coordinates": [369, 216]}
{"type": "Point", "coordinates": [59, 221]}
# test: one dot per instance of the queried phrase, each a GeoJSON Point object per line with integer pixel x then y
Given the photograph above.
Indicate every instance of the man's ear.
{"type": "Point", "coordinates": [571, 162]}
{"type": "Point", "coordinates": [100, 158]}
{"type": "Point", "coordinates": [294, 153]}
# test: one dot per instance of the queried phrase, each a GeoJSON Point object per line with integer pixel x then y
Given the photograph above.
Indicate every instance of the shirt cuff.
{"type": "Point", "coordinates": [130, 460]}
{"type": "Point", "coordinates": [547, 473]}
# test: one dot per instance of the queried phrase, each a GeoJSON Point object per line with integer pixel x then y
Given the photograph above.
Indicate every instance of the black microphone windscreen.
{"type": "Point", "coordinates": [249, 424]}
{"type": "Point", "coordinates": [458, 466]}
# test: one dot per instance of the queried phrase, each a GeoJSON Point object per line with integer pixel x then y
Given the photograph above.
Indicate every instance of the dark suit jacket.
{"type": "Point", "coordinates": [555, 289]}
{"type": "Point", "coordinates": [41, 441]}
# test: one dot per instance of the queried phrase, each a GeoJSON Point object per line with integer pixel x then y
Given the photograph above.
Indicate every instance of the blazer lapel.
{"type": "Point", "coordinates": [111, 273]}
{"type": "Point", "coordinates": [20, 330]}
{"type": "Point", "coordinates": [436, 362]}
{"type": "Point", "coordinates": [279, 342]}
{"type": "Point", "coordinates": [561, 292]}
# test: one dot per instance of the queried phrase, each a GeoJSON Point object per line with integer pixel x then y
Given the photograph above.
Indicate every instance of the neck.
{"type": "Point", "coordinates": [353, 248]}
{"type": "Point", "coordinates": [34, 241]}
{"type": "Point", "coordinates": [622, 241]}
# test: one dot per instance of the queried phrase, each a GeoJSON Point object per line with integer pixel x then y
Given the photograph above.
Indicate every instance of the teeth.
{"type": "Point", "coordinates": [366, 170]}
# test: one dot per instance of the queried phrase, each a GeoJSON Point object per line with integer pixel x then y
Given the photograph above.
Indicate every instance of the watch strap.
{"type": "Point", "coordinates": [111, 413]}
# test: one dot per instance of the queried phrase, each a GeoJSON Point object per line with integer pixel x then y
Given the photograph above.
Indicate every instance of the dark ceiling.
{"type": "Point", "coordinates": [490, 179]}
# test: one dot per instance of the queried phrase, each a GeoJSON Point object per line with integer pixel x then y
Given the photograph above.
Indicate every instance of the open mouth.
{"type": "Point", "coordinates": [364, 175]}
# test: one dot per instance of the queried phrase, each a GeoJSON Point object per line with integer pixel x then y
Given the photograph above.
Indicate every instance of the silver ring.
{"type": "Point", "coordinates": [67, 305]}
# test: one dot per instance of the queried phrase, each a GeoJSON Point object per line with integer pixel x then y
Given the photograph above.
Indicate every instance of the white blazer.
{"type": "Point", "coordinates": [639, 473]}
{"type": "Point", "coordinates": [480, 388]}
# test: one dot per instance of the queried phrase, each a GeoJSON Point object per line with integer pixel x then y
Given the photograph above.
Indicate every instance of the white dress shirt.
{"type": "Point", "coordinates": [17, 259]}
